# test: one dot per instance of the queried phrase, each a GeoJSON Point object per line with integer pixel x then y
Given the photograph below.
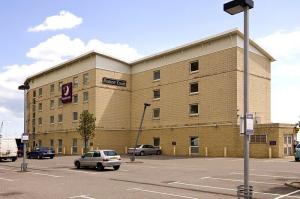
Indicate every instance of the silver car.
{"type": "Point", "coordinates": [99, 159]}
{"type": "Point", "coordinates": [145, 149]}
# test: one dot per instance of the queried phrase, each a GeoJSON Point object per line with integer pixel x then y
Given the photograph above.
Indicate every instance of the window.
{"type": "Point", "coordinates": [194, 145]}
{"type": "Point", "coordinates": [156, 94]}
{"type": "Point", "coordinates": [59, 86]}
{"type": "Point", "coordinates": [40, 121]}
{"type": "Point", "coordinates": [51, 104]}
{"type": "Point", "coordinates": [97, 154]}
{"type": "Point", "coordinates": [59, 102]}
{"type": "Point", "coordinates": [194, 109]}
{"type": "Point", "coordinates": [85, 96]}
{"type": "Point", "coordinates": [258, 139]}
{"type": "Point", "coordinates": [86, 79]}
{"type": "Point", "coordinates": [156, 141]}
{"type": "Point", "coordinates": [33, 108]}
{"type": "Point", "coordinates": [75, 82]}
{"type": "Point", "coordinates": [88, 155]}
{"type": "Point", "coordinates": [34, 101]}
{"type": "Point", "coordinates": [75, 116]}
{"type": "Point", "coordinates": [52, 119]}
{"type": "Point", "coordinates": [75, 98]}
{"type": "Point", "coordinates": [156, 75]}
{"type": "Point", "coordinates": [194, 88]}
{"type": "Point", "coordinates": [194, 67]}
{"type": "Point", "coordinates": [74, 146]}
{"type": "Point", "coordinates": [60, 146]}
{"type": "Point", "coordinates": [40, 143]}
{"type": "Point", "coordinates": [156, 113]}
{"type": "Point", "coordinates": [51, 88]}
{"type": "Point", "coordinates": [34, 93]}
{"type": "Point", "coordinates": [60, 118]}
{"type": "Point", "coordinates": [40, 92]}
{"type": "Point", "coordinates": [40, 106]}
{"type": "Point", "coordinates": [52, 143]}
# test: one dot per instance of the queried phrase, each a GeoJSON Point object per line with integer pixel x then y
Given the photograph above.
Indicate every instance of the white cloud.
{"type": "Point", "coordinates": [64, 20]}
{"type": "Point", "coordinates": [48, 53]}
{"type": "Point", "coordinates": [285, 47]}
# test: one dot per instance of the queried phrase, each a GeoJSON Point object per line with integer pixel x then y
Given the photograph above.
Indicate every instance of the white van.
{"type": "Point", "coordinates": [8, 149]}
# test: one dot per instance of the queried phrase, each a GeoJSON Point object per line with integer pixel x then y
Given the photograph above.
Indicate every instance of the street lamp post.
{"type": "Point", "coordinates": [234, 7]}
{"type": "Point", "coordinates": [24, 87]}
{"type": "Point", "coordinates": [139, 131]}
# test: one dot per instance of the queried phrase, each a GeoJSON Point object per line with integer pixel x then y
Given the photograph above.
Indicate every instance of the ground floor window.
{"type": "Point", "coordinates": [74, 146]}
{"type": "Point", "coordinates": [52, 143]}
{"type": "Point", "coordinates": [194, 145]}
{"type": "Point", "coordinates": [288, 145]}
{"type": "Point", "coordinates": [258, 139]}
{"type": "Point", "coordinates": [60, 146]}
{"type": "Point", "coordinates": [156, 141]}
{"type": "Point", "coordinates": [40, 143]}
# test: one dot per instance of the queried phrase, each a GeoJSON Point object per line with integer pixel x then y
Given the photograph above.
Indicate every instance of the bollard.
{"type": "Point", "coordinates": [174, 150]}
{"type": "Point", "coordinates": [71, 151]}
{"type": "Point", "coordinates": [190, 151]}
{"type": "Point", "coordinates": [81, 150]}
{"type": "Point", "coordinates": [206, 151]}
{"type": "Point", "coordinates": [225, 151]}
{"type": "Point", "coordinates": [64, 151]}
{"type": "Point", "coordinates": [92, 148]}
{"type": "Point", "coordinates": [270, 152]}
{"type": "Point", "coordinates": [97, 148]}
{"type": "Point", "coordinates": [56, 150]}
{"type": "Point", "coordinates": [125, 149]}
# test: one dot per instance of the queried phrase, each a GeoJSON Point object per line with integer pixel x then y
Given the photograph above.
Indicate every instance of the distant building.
{"type": "Point", "coordinates": [196, 96]}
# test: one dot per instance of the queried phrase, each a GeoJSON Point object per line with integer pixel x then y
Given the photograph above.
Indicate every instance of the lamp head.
{"type": "Point", "coordinates": [237, 6]}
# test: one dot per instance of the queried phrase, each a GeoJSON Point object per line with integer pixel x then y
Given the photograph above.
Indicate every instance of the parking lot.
{"type": "Point", "coordinates": [150, 177]}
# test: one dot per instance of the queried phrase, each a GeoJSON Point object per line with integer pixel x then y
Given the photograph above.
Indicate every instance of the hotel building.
{"type": "Point", "coordinates": [196, 96]}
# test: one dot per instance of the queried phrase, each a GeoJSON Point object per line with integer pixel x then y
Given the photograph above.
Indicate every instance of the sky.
{"type": "Point", "coordinates": [36, 35]}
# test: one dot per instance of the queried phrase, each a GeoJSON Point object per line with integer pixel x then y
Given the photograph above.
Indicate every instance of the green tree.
{"type": "Point", "coordinates": [86, 127]}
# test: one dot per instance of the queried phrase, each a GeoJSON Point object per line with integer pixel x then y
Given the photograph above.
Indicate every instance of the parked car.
{"type": "Point", "coordinates": [297, 152]}
{"type": "Point", "coordinates": [41, 152]}
{"type": "Point", "coordinates": [145, 149]}
{"type": "Point", "coordinates": [99, 159]}
{"type": "Point", "coordinates": [8, 149]}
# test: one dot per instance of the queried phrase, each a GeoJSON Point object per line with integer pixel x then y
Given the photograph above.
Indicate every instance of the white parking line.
{"type": "Point", "coordinates": [286, 195]}
{"type": "Point", "coordinates": [234, 190]}
{"type": "Point", "coordinates": [77, 171]}
{"type": "Point", "coordinates": [161, 193]}
{"type": "Point", "coordinates": [6, 179]}
{"type": "Point", "coordinates": [237, 180]}
{"type": "Point", "coordinates": [82, 196]}
{"type": "Point", "coordinates": [44, 174]}
{"type": "Point", "coordinates": [275, 171]}
{"type": "Point", "coordinates": [270, 176]}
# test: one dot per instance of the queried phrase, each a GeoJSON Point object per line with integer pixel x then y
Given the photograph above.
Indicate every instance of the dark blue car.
{"type": "Point", "coordinates": [41, 152]}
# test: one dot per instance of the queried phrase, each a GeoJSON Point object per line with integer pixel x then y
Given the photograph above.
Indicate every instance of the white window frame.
{"type": "Point", "coordinates": [193, 114]}
{"type": "Point", "coordinates": [52, 107]}
{"type": "Point", "coordinates": [155, 80]}
{"type": "Point", "coordinates": [52, 121]}
{"type": "Point", "coordinates": [156, 118]}
{"type": "Point", "coordinates": [194, 93]}
{"type": "Point", "coordinates": [154, 94]}
{"type": "Point", "coordinates": [190, 67]}
{"type": "Point", "coordinates": [74, 120]}
{"type": "Point", "coordinates": [62, 118]}
{"type": "Point", "coordinates": [83, 96]}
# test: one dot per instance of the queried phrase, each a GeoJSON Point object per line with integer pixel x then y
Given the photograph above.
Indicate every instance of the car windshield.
{"type": "Point", "coordinates": [110, 153]}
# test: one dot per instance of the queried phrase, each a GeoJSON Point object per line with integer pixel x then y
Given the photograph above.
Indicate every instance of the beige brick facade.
{"type": "Point", "coordinates": [118, 109]}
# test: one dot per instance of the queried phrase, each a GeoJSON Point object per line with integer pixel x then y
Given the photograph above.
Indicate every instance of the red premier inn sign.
{"type": "Point", "coordinates": [66, 93]}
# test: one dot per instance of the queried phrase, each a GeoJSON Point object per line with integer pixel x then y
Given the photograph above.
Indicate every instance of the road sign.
{"type": "Point", "coordinates": [25, 138]}
{"type": "Point", "coordinates": [249, 121]}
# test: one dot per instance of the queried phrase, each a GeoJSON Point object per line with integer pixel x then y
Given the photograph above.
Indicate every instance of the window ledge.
{"type": "Point", "coordinates": [74, 121]}
{"type": "Point", "coordinates": [194, 93]}
{"type": "Point", "coordinates": [156, 80]}
{"type": "Point", "coordinates": [193, 72]}
{"type": "Point", "coordinates": [156, 99]}
{"type": "Point", "coordinates": [85, 102]}
{"type": "Point", "coordinates": [194, 115]}
{"type": "Point", "coordinates": [156, 118]}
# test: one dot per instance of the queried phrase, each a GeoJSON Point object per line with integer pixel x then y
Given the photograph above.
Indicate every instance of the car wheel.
{"type": "Point", "coordinates": [99, 167]}
{"type": "Point", "coordinates": [39, 157]}
{"type": "Point", "coordinates": [158, 152]}
{"type": "Point", "coordinates": [51, 157]}
{"type": "Point", "coordinates": [142, 153]}
{"type": "Point", "coordinates": [77, 164]}
{"type": "Point", "coordinates": [13, 159]}
{"type": "Point", "coordinates": [296, 159]}
{"type": "Point", "coordinates": [116, 167]}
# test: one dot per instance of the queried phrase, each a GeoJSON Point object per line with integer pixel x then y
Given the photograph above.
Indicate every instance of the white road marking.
{"type": "Point", "coordinates": [275, 171]}
{"type": "Point", "coordinates": [124, 170]}
{"type": "Point", "coordinates": [287, 195]}
{"type": "Point", "coordinates": [237, 180]}
{"type": "Point", "coordinates": [77, 171]}
{"type": "Point", "coordinates": [6, 179]}
{"type": "Point", "coordinates": [162, 193]}
{"type": "Point", "coordinates": [44, 174]}
{"type": "Point", "coordinates": [82, 196]}
{"type": "Point", "coordinates": [8, 169]}
{"type": "Point", "coordinates": [270, 176]}
{"type": "Point", "coordinates": [229, 189]}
